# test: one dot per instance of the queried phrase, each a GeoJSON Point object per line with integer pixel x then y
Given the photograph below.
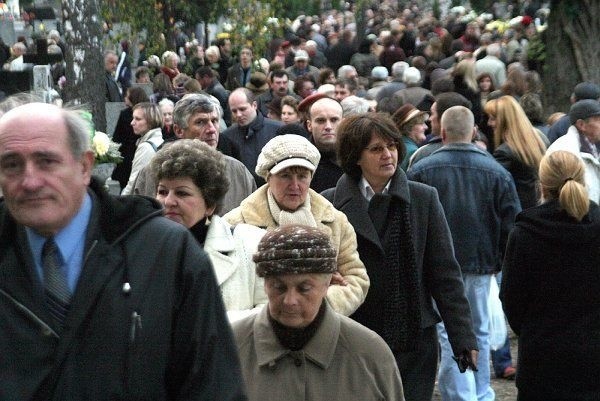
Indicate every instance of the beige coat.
{"type": "Point", "coordinates": [254, 210]}
{"type": "Point", "coordinates": [231, 255]}
{"type": "Point", "coordinates": [343, 361]}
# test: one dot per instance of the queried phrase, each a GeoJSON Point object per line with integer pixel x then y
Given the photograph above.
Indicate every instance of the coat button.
{"type": "Point", "coordinates": [46, 332]}
{"type": "Point", "coordinates": [298, 362]}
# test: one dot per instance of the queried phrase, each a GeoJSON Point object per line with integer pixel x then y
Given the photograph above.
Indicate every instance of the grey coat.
{"type": "Point", "coordinates": [343, 361]}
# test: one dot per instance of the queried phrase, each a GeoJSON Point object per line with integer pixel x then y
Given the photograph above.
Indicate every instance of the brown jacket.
{"type": "Point", "coordinates": [343, 361]}
{"type": "Point", "coordinates": [254, 210]}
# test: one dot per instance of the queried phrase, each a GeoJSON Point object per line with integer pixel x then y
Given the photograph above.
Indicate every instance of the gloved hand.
{"type": "Point", "coordinates": [467, 359]}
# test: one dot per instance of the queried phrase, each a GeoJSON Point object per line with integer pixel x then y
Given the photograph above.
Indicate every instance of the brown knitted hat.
{"type": "Point", "coordinates": [295, 249]}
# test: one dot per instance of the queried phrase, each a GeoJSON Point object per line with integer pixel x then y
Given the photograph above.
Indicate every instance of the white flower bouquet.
{"type": "Point", "coordinates": [105, 150]}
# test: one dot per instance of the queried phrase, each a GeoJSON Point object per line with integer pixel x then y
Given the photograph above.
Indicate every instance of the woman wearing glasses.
{"type": "Point", "coordinates": [405, 244]}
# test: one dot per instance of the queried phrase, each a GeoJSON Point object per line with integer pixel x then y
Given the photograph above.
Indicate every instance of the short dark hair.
{"type": "Point", "coordinates": [355, 133]}
{"type": "Point", "coordinates": [445, 100]}
{"type": "Point", "coordinates": [137, 95]}
{"type": "Point", "coordinates": [351, 84]}
{"type": "Point", "coordinates": [193, 159]}
{"type": "Point", "coordinates": [279, 74]}
{"type": "Point", "coordinates": [204, 71]}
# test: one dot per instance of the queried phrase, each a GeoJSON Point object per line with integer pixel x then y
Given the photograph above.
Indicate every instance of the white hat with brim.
{"type": "Point", "coordinates": [285, 151]}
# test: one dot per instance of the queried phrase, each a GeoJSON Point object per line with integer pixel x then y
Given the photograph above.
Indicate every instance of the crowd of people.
{"type": "Point", "coordinates": [334, 214]}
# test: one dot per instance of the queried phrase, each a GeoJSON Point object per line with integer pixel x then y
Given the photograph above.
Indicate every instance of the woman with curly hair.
{"type": "Point", "coordinates": [192, 180]}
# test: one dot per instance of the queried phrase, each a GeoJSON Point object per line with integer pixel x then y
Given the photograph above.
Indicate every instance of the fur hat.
{"type": "Point", "coordinates": [257, 83]}
{"type": "Point", "coordinates": [285, 151]}
{"type": "Point", "coordinates": [295, 249]}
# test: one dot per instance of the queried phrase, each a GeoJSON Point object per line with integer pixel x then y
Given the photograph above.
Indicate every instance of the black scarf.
{"type": "Point", "coordinates": [295, 339]}
{"type": "Point", "coordinates": [402, 309]}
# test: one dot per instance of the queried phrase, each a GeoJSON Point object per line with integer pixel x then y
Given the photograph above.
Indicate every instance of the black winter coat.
{"type": "Point", "coordinates": [550, 294]}
{"type": "Point", "coordinates": [167, 339]}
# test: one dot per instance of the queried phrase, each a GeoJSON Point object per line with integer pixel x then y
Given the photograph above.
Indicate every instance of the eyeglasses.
{"type": "Point", "coordinates": [378, 149]}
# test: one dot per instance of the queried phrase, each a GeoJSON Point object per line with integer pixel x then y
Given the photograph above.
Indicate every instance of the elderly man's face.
{"type": "Point", "coordinates": [43, 183]}
{"type": "Point", "coordinates": [110, 62]}
{"type": "Point", "coordinates": [295, 299]}
{"type": "Point", "coordinates": [203, 126]}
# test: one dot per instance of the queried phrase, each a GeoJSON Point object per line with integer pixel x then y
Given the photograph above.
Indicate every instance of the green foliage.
{"type": "Point", "coordinates": [480, 5]}
{"type": "Point", "coordinates": [536, 49]}
{"type": "Point", "coordinates": [254, 23]}
{"type": "Point", "coordinates": [141, 16]}
{"type": "Point", "coordinates": [437, 13]}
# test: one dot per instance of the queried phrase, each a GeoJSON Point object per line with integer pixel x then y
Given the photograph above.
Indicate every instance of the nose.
{"type": "Point", "coordinates": [170, 199]}
{"type": "Point", "coordinates": [290, 298]}
{"type": "Point", "coordinates": [212, 127]}
{"type": "Point", "coordinates": [386, 153]}
{"type": "Point", "coordinates": [31, 179]}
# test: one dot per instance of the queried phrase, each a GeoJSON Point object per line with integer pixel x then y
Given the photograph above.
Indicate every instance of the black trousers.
{"type": "Point", "coordinates": [418, 368]}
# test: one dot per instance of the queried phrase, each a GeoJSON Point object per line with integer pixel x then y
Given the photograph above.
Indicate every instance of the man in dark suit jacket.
{"type": "Point", "coordinates": [113, 93]}
{"type": "Point", "coordinates": [251, 132]}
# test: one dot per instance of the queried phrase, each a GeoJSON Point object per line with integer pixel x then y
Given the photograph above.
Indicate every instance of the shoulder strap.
{"type": "Point", "coordinates": [153, 145]}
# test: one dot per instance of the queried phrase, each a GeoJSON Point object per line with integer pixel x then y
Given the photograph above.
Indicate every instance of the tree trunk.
{"type": "Point", "coordinates": [572, 50]}
{"type": "Point", "coordinates": [84, 59]}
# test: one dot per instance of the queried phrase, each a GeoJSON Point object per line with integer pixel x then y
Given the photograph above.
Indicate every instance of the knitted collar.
{"type": "Point", "coordinates": [296, 338]}
{"type": "Point", "coordinates": [302, 215]}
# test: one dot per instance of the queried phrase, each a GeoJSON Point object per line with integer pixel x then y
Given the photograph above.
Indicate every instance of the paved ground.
{"type": "Point", "coordinates": [505, 389]}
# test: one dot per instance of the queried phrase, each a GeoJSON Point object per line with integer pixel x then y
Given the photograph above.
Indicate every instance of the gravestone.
{"type": "Point", "coordinates": [12, 82]}
{"type": "Point", "coordinates": [7, 31]}
{"type": "Point", "coordinates": [41, 55]}
{"type": "Point", "coordinates": [112, 109]}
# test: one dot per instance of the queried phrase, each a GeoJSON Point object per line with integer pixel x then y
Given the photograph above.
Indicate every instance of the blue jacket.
{"type": "Point", "coordinates": [479, 199]}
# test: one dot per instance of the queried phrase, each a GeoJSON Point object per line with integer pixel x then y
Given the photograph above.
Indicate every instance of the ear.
{"type": "Point", "coordinates": [209, 212]}
{"type": "Point", "coordinates": [474, 134]}
{"type": "Point", "coordinates": [87, 165]}
{"type": "Point", "coordinates": [579, 124]}
{"type": "Point", "coordinates": [444, 136]}
{"type": "Point", "coordinates": [178, 131]}
{"type": "Point", "coordinates": [309, 125]}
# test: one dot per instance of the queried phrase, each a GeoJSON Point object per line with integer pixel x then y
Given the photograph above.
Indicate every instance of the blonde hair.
{"type": "Point", "coordinates": [514, 129]}
{"type": "Point", "coordinates": [562, 177]}
{"type": "Point", "coordinates": [465, 69]}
